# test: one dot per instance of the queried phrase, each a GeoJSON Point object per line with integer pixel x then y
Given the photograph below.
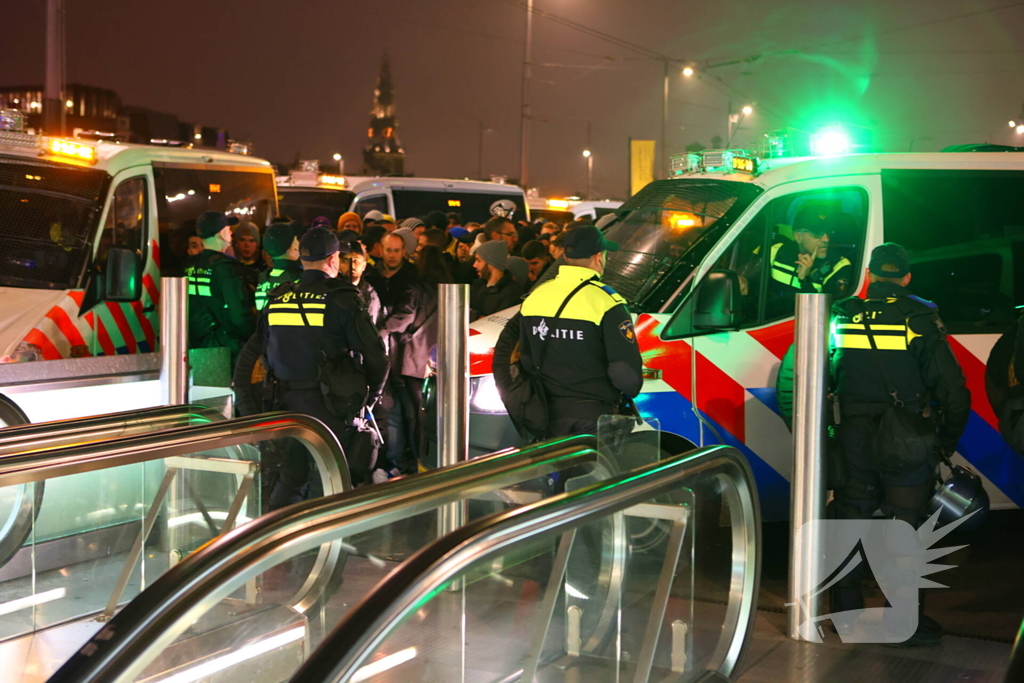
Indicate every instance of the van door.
{"type": "Point", "coordinates": [736, 362]}
{"type": "Point", "coordinates": [129, 223]}
{"type": "Point", "coordinates": [367, 202]}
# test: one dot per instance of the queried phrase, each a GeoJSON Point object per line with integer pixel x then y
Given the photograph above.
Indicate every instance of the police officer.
{"type": "Point", "coordinates": [804, 264]}
{"type": "Point", "coordinates": [220, 304]}
{"type": "Point", "coordinates": [326, 357]}
{"type": "Point", "coordinates": [891, 350]}
{"type": "Point", "coordinates": [577, 334]}
{"type": "Point", "coordinates": [281, 243]}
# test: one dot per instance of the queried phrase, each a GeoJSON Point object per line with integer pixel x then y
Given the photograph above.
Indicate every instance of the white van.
{"type": "Point", "coordinates": [959, 215]}
{"type": "Point", "coordinates": [86, 229]}
{"type": "Point", "coordinates": [407, 197]}
{"type": "Point", "coordinates": [594, 210]}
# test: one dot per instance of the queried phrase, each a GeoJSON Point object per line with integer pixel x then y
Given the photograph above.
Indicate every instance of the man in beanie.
{"type": "Point", "coordinates": [221, 310]}
{"type": "Point", "coordinates": [576, 335]}
{"type": "Point", "coordinates": [327, 360]}
{"type": "Point", "coordinates": [372, 217]}
{"type": "Point", "coordinates": [282, 245]}
{"type": "Point", "coordinates": [415, 225]}
{"type": "Point", "coordinates": [350, 221]}
{"type": "Point", "coordinates": [496, 289]}
{"type": "Point", "coordinates": [246, 243]}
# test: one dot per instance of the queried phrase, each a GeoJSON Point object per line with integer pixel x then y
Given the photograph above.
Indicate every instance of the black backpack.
{"type": "Point", "coordinates": [1003, 380]}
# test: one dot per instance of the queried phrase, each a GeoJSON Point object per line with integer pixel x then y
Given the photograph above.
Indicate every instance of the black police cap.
{"type": "Point", "coordinates": [318, 244]}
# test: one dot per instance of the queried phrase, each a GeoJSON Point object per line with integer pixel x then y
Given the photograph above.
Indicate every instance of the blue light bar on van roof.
{"type": "Point", "coordinates": [12, 120]}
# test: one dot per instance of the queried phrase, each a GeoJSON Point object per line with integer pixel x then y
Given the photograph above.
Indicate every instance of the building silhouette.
{"type": "Point", "coordinates": [383, 155]}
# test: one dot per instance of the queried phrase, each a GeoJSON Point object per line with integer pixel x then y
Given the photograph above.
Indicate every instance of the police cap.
{"type": "Point", "coordinates": [211, 222]}
{"type": "Point", "coordinates": [318, 244]}
{"type": "Point", "coordinates": [585, 241]}
{"type": "Point", "coordinates": [814, 219]}
{"type": "Point", "coordinates": [278, 239]}
{"type": "Point", "coordinates": [889, 260]}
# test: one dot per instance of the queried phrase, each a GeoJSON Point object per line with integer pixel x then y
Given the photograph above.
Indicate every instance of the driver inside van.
{"type": "Point", "coordinates": [805, 264]}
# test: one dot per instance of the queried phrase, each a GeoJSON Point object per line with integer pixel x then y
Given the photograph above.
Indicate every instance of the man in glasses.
{"type": "Point", "coordinates": [805, 265]}
{"type": "Point", "coordinates": [499, 228]}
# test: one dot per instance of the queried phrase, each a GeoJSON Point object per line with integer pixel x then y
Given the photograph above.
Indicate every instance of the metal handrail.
{"type": "Point", "coordinates": [50, 435]}
{"type": "Point", "coordinates": [406, 589]}
{"type": "Point", "coordinates": [182, 594]}
{"type": "Point", "coordinates": [61, 462]}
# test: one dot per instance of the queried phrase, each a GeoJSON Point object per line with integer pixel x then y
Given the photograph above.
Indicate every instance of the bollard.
{"type": "Point", "coordinates": [807, 497]}
{"type": "Point", "coordinates": [174, 340]}
{"type": "Point", "coordinates": [452, 391]}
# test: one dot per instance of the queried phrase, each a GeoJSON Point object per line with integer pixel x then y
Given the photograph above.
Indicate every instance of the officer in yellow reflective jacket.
{"type": "Point", "coordinates": [804, 264]}
{"type": "Point", "coordinates": [327, 357]}
{"type": "Point", "coordinates": [281, 243]}
{"type": "Point", "coordinates": [577, 334]}
{"type": "Point", "coordinates": [891, 350]}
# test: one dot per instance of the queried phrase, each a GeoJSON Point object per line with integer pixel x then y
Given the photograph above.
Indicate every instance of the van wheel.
{"type": "Point", "coordinates": [707, 506]}
{"type": "Point", "coordinates": [248, 378]}
{"type": "Point", "coordinates": [19, 505]}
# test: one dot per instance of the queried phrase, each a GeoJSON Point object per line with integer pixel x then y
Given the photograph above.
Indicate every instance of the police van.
{"type": "Point", "coordinates": [695, 268]}
{"type": "Point", "coordinates": [307, 193]}
{"type": "Point", "coordinates": [86, 229]}
{"type": "Point", "coordinates": [401, 198]}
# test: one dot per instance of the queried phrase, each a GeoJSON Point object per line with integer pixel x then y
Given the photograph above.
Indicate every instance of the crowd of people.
{"type": "Point", "coordinates": [235, 268]}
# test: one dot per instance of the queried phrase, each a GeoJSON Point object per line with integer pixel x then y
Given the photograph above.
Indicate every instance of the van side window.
{"type": "Point", "coordinates": [826, 226]}
{"type": "Point", "coordinates": [377, 202]}
{"type": "Point", "coordinates": [127, 219]}
{"type": "Point", "coordinates": [817, 244]}
{"type": "Point", "coordinates": [964, 231]}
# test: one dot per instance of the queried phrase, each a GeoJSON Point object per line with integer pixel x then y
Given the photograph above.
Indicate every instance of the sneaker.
{"type": "Point", "coordinates": [928, 634]}
{"type": "Point", "coordinates": [380, 476]}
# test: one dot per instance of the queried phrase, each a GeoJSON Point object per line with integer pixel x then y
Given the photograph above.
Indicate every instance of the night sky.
{"type": "Point", "coordinates": [299, 77]}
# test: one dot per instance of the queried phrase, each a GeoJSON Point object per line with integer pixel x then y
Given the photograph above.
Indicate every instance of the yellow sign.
{"type": "Point", "coordinates": [214, 187]}
{"type": "Point", "coordinates": [641, 164]}
{"type": "Point", "coordinates": [454, 202]}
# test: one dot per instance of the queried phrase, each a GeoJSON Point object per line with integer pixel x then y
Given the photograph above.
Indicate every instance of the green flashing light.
{"type": "Point", "coordinates": [830, 142]}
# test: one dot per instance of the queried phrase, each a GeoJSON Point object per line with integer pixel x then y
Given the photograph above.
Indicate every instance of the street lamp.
{"type": "Point", "coordinates": [687, 71]}
{"type": "Point", "coordinates": [1013, 124]}
{"type": "Point", "coordinates": [1020, 129]}
{"type": "Point", "coordinates": [590, 172]}
{"type": "Point", "coordinates": [737, 121]}
{"type": "Point", "coordinates": [337, 157]}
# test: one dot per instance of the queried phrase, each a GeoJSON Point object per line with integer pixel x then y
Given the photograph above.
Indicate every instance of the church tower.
{"type": "Point", "coordinates": [383, 155]}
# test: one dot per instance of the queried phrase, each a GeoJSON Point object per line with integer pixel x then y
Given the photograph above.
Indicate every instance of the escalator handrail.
{"type": "Point", "coordinates": [48, 435]}
{"type": "Point", "coordinates": [179, 596]}
{"type": "Point", "coordinates": [406, 589]}
{"type": "Point", "coordinates": [188, 440]}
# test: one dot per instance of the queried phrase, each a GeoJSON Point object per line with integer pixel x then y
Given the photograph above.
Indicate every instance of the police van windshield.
{"type": "Point", "coordinates": [47, 214]}
{"type": "Point", "coordinates": [666, 229]}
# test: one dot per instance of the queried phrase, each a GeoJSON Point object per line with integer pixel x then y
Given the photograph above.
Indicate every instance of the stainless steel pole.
{"type": "Point", "coordinates": [524, 135]}
{"type": "Point", "coordinates": [174, 340]}
{"type": "Point", "coordinates": [452, 391]}
{"type": "Point", "coordinates": [664, 125]}
{"type": "Point", "coordinates": [53, 93]}
{"type": "Point", "coordinates": [807, 498]}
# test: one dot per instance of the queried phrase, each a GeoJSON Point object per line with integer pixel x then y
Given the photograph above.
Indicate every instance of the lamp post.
{"type": "Point", "coordinates": [590, 172]}
{"type": "Point", "coordinates": [737, 121]}
{"type": "Point", "coordinates": [687, 72]}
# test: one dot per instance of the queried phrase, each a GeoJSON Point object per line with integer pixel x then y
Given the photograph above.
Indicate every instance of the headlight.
{"type": "Point", "coordinates": [484, 397]}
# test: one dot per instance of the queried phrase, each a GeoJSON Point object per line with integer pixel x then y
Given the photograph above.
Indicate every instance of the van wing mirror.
{"type": "Point", "coordinates": [122, 275]}
{"type": "Point", "coordinates": [718, 302]}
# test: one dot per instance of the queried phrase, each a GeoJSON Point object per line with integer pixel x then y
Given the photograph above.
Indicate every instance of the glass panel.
{"type": "Point", "coordinates": [71, 546]}
{"type": "Point", "coordinates": [523, 611]}
{"type": "Point", "coordinates": [273, 620]}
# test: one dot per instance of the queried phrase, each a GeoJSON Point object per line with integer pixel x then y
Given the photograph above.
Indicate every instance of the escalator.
{"type": "Point", "coordinates": [96, 509]}
{"type": "Point", "coordinates": [535, 583]}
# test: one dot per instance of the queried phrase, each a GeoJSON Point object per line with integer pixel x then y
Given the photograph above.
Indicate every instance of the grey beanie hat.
{"type": "Point", "coordinates": [409, 238]}
{"type": "Point", "coordinates": [411, 223]}
{"type": "Point", "coordinates": [494, 253]}
{"type": "Point", "coordinates": [519, 268]}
